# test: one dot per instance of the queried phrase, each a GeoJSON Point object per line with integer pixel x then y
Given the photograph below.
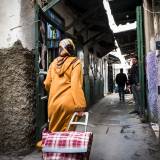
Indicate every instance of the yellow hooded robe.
{"type": "Point", "coordinates": [64, 83]}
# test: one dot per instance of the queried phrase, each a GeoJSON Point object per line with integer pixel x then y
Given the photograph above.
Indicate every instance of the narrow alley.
{"type": "Point", "coordinates": [58, 57]}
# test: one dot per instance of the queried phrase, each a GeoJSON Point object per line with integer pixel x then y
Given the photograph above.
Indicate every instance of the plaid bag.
{"type": "Point", "coordinates": [69, 145]}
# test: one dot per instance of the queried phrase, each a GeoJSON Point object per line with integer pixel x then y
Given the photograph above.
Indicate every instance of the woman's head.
{"type": "Point", "coordinates": [66, 47]}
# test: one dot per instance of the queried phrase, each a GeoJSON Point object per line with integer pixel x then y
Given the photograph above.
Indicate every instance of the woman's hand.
{"type": "Point", "coordinates": [80, 111]}
{"type": "Point", "coordinates": [80, 114]}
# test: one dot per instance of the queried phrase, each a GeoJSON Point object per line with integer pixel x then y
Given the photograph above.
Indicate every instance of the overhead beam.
{"type": "Point", "coordinates": [124, 13]}
{"type": "Point", "coordinates": [128, 44]}
{"type": "Point", "coordinates": [126, 21]}
{"type": "Point", "coordinates": [125, 33]}
{"type": "Point", "coordinates": [128, 48]}
{"type": "Point", "coordinates": [90, 12]}
{"type": "Point", "coordinates": [50, 5]}
{"type": "Point", "coordinates": [113, 59]}
{"type": "Point", "coordinates": [70, 36]}
{"type": "Point", "coordinates": [93, 37]}
{"type": "Point", "coordinates": [128, 51]}
{"type": "Point", "coordinates": [84, 28]}
{"type": "Point", "coordinates": [99, 23]}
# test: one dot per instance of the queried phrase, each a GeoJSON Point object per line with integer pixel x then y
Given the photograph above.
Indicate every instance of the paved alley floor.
{"type": "Point", "coordinates": [117, 134]}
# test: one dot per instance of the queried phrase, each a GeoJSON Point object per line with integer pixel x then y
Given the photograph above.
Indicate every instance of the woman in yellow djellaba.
{"type": "Point", "coordinates": [64, 83]}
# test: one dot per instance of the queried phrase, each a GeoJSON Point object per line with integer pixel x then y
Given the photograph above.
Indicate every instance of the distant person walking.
{"type": "Point", "coordinates": [121, 80]}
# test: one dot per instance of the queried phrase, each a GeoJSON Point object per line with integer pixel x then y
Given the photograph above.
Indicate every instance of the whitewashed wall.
{"type": "Point", "coordinates": [17, 22]}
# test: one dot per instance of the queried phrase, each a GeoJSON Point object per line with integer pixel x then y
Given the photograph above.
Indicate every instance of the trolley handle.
{"type": "Point", "coordinates": [85, 123]}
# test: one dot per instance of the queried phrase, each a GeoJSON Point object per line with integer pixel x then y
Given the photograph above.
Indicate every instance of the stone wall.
{"type": "Point", "coordinates": [17, 109]}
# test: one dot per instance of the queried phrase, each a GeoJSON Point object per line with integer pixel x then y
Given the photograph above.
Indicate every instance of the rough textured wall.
{"type": "Point", "coordinates": [158, 101]}
{"type": "Point", "coordinates": [16, 100]}
{"type": "Point", "coordinates": [152, 79]}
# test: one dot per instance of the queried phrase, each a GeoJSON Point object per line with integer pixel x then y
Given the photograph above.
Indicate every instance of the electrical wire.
{"type": "Point", "coordinates": [26, 24]}
{"type": "Point", "coordinates": [146, 9]}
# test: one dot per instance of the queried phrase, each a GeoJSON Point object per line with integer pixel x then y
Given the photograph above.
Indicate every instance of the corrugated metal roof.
{"type": "Point", "coordinates": [124, 10]}
{"type": "Point", "coordinates": [127, 41]}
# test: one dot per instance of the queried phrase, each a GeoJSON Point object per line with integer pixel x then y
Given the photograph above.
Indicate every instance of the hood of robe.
{"type": "Point", "coordinates": [63, 63]}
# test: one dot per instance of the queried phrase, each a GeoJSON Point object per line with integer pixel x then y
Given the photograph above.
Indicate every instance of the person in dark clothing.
{"type": "Point", "coordinates": [135, 85]}
{"type": "Point", "coordinates": [128, 85]}
{"type": "Point", "coordinates": [121, 80]}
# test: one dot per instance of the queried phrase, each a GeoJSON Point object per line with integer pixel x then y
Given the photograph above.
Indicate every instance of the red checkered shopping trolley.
{"type": "Point", "coordinates": [69, 145]}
